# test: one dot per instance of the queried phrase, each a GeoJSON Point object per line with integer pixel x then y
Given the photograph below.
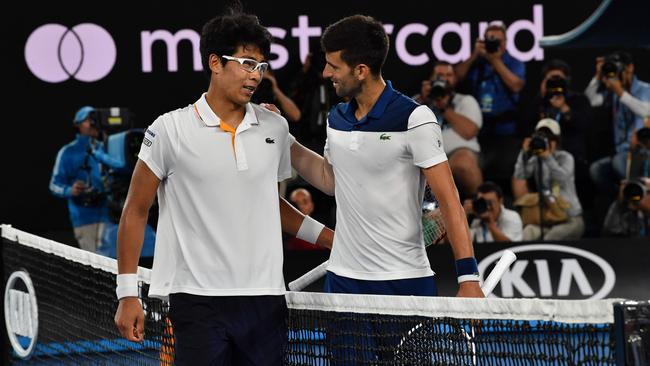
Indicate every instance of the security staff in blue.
{"type": "Point", "coordinates": [78, 177]}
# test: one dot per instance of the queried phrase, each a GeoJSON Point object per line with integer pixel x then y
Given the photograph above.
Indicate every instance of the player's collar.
{"type": "Point", "coordinates": [207, 115]}
{"type": "Point", "coordinates": [378, 109]}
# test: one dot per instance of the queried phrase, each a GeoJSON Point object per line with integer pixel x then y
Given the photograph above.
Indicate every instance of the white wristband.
{"type": "Point", "coordinates": [309, 230]}
{"type": "Point", "coordinates": [127, 285]}
{"type": "Point", "coordinates": [467, 278]}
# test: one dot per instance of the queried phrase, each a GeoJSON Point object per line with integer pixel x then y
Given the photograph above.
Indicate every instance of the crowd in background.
{"type": "Point", "coordinates": [534, 169]}
{"type": "Point", "coordinates": [525, 169]}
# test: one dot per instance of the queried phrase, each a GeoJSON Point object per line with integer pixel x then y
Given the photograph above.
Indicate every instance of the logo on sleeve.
{"type": "Point", "coordinates": [439, 143]}
{"type": "Point", "coordinates": [146, 142]}
{"type": "Point", "coordinates": [384, 136]}
{"type": "Point", "coordinates": [270, 140]}
{"type": "Point", "coordinates": [150, 133]}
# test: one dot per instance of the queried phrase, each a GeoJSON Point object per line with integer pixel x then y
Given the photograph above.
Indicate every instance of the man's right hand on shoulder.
{"type": "Point", "coordinates": [129, 319]}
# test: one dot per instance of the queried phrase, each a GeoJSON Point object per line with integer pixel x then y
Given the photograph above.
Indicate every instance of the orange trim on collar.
{"type": "Point", "coordinates": [197, 112]}
{"type": "Point", "coordinates": [226, 127]}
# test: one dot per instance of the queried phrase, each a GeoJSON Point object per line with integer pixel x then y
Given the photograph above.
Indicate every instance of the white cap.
{"type": "Point", "coordinates": [549, 123]}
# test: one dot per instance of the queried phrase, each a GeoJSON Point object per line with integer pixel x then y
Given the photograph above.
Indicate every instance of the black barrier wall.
{"type": "Point", "coordinates": [584, 269]}
{"type": "Point", "coordinates": [143, 56]}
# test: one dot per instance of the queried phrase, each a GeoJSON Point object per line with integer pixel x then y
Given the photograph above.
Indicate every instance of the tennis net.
{"type": "Point", "coordinates": [60, 302]}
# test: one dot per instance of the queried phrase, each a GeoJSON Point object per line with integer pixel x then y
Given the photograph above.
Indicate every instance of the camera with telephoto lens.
{"type": "Point", "coordinates": [612, 67]}
{"type": "Point", "coordinates": [480, 205]}
{"type": "Point", "coordinates": [538, 143]}
{"type": "Point", "coordinates": [492, 45]}
{"type": "Point", "coordinates": [439, 89]}
{"type": "Point", "coordinates": [556, 85]}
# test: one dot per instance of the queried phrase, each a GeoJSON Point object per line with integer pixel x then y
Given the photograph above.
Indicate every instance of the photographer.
{"type": "Point", "coordinates": [492, 222]}
{"type": "Point", "coordinates": [460, 118]}
{"type": "Point", "coordinates": [495, 79]}
{"type": "Point", "coordinates": [615, 86]}
{"type": "Point", "coordinates": [78, 176]}
{"type": "Point", "coordinates": [571, 110]}
{"type": "Point", "coordinates": [629, 215]}
{"type": "Point", "coordinates": [556, 181]}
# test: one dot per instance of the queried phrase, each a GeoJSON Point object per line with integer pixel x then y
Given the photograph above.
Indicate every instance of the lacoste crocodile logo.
{"type": "Point", "coordinates": [384, 136]}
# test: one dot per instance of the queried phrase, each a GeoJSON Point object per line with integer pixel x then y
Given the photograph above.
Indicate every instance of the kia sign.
{"type": "Point", "coordinates": [55, 53]}
{"type": "Point", "coordinates": [549, 270]}
{"type": "Point", "coordinates": [21, 313]}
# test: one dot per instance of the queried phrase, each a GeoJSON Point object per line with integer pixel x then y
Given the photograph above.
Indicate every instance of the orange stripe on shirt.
{"type": "Point", "coordinates": [224, 127]}
{"type": "Point", "coordinates": [227, 128]}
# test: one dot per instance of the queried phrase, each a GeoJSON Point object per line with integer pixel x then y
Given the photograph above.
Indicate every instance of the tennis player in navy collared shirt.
{"type": "Point", "coordinates": [381, 148]}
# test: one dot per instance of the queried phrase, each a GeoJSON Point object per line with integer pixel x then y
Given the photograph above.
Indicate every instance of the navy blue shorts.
{"type": "Point", "coordinates": [228, 330]}
{"type": "Point", "coordinates": [421, 286]}
{"type": "Point", "coordinates": [346, 335]}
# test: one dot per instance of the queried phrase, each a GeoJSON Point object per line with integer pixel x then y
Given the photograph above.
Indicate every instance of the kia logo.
{"type": "Point", "coordinates": [554, 270]}
{"type": "Point", "coordinates": [55, 53]}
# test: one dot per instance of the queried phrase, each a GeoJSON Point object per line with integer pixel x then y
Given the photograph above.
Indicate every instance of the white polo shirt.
{"type": "Point", "coordinates": [219, 228]}
{"type": "Point", "coordinates": [380, 187]}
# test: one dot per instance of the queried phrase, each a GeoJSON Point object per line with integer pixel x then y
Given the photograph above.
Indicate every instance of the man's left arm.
{"type": "Point", "coordinates": [424, 143]}
{"type": "Point", "coordinates": [104, 158]}
{"type": "Point", "coordinates": [465, 118]}
{"type": "Point", "coordinates": [638, 105]}
{"type": "Point", "coordinates": [304, 227]}
{"type": "Point", "coordinates": [442, 185]}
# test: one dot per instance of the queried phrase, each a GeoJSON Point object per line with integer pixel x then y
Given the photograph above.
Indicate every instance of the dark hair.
{"type": "Point", "coordinates": [362, 40]}
{"type": "Point", "coordinates": [549, 135]}
{"type": "Point", "coordinates": [441, 63]}
{"type": "Point", "coordinates": [224, 33]}
{"type": "Point", "coordinates": [623, 57]}
{"type": "Point", "coordinates": [488, 186]}
{"type": "Point", "coordinates": [496, 27]}
{"type": "Point", "coordinates": [556, 64]}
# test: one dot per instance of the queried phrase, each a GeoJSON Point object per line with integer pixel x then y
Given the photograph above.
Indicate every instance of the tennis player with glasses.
{"type": "Point", "coordinates": [218, 257]}
{"type": "Point", "coordinates": [381, 148]}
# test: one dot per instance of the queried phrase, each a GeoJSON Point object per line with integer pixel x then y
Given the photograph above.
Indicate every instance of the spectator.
{"type": "Point", "coordinates": [492, 221]}
{"type": "Point", "coordinates": [629, 215]}
{"type": "Point", "coordinates": [495, 79]}
{"type": "Point", "coordinates": [460, 118]}
{"type": "Point", "coordinates": [79, 177]}
{"type": "Point", "coordinates": [556, 178]}
{"type": "Point", "coordinates": [616, 85]}
{"type": "Point", "coordinates": [302, 200]}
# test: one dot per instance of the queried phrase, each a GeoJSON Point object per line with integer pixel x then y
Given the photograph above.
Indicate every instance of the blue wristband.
{"type": "Point", "coordinates": [466, 266]}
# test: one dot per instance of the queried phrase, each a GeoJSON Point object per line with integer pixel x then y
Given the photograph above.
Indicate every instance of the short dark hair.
{"type": "Point", "coordinates": [496, 27]}
{"type": "Point", "coordinates": [441, 63]}
{"type": "Point", "coordinates": [489, 186]}
{"type": "Point", "coordinates": [361, 40]}
{"type": "Point", "coordinates": [224, 33]}
{"type": "Point", "coordinates": [623, 57]}
{"type": "Point", "coordinates": [556, 64]}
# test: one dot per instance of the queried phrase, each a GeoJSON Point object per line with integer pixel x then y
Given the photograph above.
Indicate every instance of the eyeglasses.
{"type": "Point", "coordinates": [249, 65]}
